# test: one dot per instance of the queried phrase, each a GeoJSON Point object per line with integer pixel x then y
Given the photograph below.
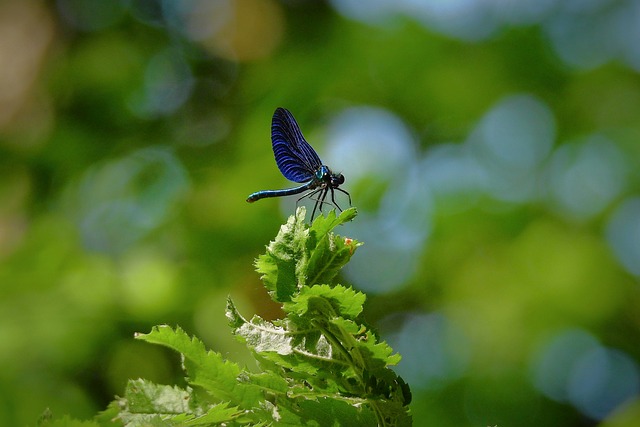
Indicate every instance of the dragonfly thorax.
{"type": "Point", "coordinates": [323, 174]}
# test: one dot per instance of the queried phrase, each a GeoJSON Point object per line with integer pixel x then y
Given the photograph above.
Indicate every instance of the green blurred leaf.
{"type": "Point", "coordinates": [146, 403]}
{"type": "Point", "coordinates": [66, 421]}
{"type": "Point", "coordinates": [142, 396]}
{"type": "Point", "coordinates": [204, 368]}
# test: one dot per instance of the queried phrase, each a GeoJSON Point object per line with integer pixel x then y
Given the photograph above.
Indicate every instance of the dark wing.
{"type": "Point", "coordinates": [296, 159]}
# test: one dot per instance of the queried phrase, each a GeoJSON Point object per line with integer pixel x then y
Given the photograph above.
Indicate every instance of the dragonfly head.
{"type": "Point", "coordinates": [337, 179]}
{"type": "Point", "coordinates": [325, 175]}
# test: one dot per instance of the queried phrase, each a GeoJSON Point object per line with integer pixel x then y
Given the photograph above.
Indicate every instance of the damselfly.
{"type": "Point", "coordinates": [298, 162]}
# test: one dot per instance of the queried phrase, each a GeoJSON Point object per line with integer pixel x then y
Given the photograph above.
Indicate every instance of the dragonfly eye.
{"type": "Point", "coordinates": [337, 179]}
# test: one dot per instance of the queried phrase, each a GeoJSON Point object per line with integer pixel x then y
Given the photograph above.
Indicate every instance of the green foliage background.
{"type": "Point", "coordinates": [128, 146]}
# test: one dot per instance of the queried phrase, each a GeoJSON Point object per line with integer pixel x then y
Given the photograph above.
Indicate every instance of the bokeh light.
{"type": "Point", "coordinates": [586, 177]}
{"type": "Point", "coordinates": [574, 367]}
{"type": "Point", "coordinates": [91, 15]}
{"type": "Point", "coordinates": [118, 203]}
{"type": "Point", "coordinates": [168, 83]}
{"type": "Point", "coordinates": [623, 234]}
{"type": "Point", "coordinates": [27, 32]}
{"type": "Point", "coordinates": [436, 352]}
{"type": "Point", "coordinates": [384, 176]}
{"type": "Point", "coordinates": [510, 143]}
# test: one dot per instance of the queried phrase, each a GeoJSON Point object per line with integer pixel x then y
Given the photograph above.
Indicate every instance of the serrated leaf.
{"type": "Point", "coordinates": [206, 369]}
{"type": "Point", "coordinates": [328, 252]}
{"type": "Point", "coordinates": [147, 404]}
{"type": "Point", "coordinates": [378, 353]}
{"type": "Point", "coordinates": [304, 352]}
{"type": "Point", "coordinates": [109, 415]}
{"type": "Point", "coordinates": [305, 255]}
{"type": "Point", "coordinates": [341, 301]}
{"type": "Point", "coordinates": [216, 414]}
{"type": "Point", "coordinates": [345, 413]}
{"type": "Point", "coordinates": [320, 364]}
{"type": "Point", "coordinates": [334, 356]}
{"type": "Point", "coordinates": [143, 396]}
{"type": "Point", "coordinates": [334, 410]}
{"type": "Point", "coordinates": [280, 265]}
{"type": "Point", "coordinates": [259, 334]}
{"type": "Point", "coordinates": [323, 224]}
{"type": "Point", "coordinates": [269, 381]}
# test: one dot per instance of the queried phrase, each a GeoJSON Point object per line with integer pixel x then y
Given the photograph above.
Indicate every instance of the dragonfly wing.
{"type": "Point", "coordinates": [295, 158]}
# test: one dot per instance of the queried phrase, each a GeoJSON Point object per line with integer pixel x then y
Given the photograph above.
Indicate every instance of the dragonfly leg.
{"type": "Point", "coordinates": [348, 195]}
{"type": "Point", "coordinates": [323, 197]}
{"type": "Point", "coordinates": [333, 199]}
{"type": "Point", "coordinates": [319, 201]}
{"type": "Point", "coordinates": [311, 195]}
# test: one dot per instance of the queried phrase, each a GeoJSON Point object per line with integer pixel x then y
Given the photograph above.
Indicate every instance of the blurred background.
{"type": "Point", "coordinates": [490, 146]}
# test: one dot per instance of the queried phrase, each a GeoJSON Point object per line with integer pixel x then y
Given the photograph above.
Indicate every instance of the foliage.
{"type": "Point", "coordinates": [319, 365]}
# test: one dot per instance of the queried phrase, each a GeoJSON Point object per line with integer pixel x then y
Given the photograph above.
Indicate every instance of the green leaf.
{"type": "Point", "coordinates": [302, 255]}
{"type": "Point", "coordinates": [305, 352]}
{"type": "Point", "coordinates": [206, 369]}
{"type": "Point", "coordinates": [320, 365]}
{"type": "Point", "coordinates": [216, 414]}
{"type": "Point", "coordinates": [280, 265]}
{"type": "Point", "coordinates": [259, 334]}
{"type": "Point", "coordinates": [146, 403]}
{"type": "Point", "coordinates": [328, 301]}
{"type": "Point", "coordinates": [109, 417]}
{"type": "Point", "coordinates": [269, 381]}
{"type": "Point", "coordinates": [142, 396]}
{"type": "Point", "coordinates": [324, 224]}
{"type": "Point", "coordinates": [373, 352]}
{"type": "Point", "coordinates": [328, 252]}
{"type": "Point", "coordinates": [323, 346]}
{"type": "Point", "coordinates": [346, 413]}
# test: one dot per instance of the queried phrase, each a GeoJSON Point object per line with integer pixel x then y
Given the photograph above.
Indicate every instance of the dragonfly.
{"type": "Point", "coordinates": [299, 162]}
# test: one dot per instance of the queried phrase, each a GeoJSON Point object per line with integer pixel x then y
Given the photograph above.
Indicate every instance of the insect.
{"type": "Point", "coordinates": [298, 162]}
